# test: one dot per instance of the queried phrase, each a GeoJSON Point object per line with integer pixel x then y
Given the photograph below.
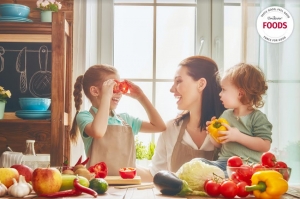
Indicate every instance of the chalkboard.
{"type": "Point", "coordinates": [25, 70]}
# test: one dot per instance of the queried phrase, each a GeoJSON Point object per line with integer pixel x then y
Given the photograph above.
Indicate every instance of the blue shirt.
{"type": "Point", "coordinates": [85, 117]}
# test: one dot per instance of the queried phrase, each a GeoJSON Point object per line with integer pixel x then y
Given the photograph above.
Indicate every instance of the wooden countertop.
{"type": "Point", "coordinates": [134, 193]}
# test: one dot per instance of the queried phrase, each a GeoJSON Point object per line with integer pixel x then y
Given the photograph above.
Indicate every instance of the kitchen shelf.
{"type": "Point", "coordinates": [52, 136]}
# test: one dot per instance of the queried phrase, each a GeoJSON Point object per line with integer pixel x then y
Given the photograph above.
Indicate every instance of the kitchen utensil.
{"type": "Point", "coordinates": [40, 82]}
{"type": "Point", "coordinates": [21, 68]}
{"type": "Point", "coordinates": [118, 180]}
{"type": "Point", "coordinates": [2, 51]}
{"type": "Point", "coordinates": [38, 104]}
{"type": "Point", "coordinates": [33, 115]}
{"type": "Point", "coordinates": [14, 10]}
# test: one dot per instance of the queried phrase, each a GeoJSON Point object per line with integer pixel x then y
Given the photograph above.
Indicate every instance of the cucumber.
{"type": "Point", "coordinates": [67, 181]}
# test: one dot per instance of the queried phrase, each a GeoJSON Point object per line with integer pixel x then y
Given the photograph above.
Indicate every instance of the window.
{"type": "Point", "coordinates": [150, 39]}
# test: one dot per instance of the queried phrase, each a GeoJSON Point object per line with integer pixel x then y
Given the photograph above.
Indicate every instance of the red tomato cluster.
{"type": "Point", "coordinates": [226, 188]}
{"type": "Point", "coordinates": [243, 172]}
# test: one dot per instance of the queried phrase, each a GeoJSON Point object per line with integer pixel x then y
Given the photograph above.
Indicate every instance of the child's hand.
{"type": "Point", "coordinates": [230, 135]}
{"type": "Point", "coordinates": [107, 88]}
{"type": "Point", "coordinates": [134, 90]}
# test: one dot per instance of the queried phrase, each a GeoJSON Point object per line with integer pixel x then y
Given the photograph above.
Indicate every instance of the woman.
{"type": "Point", "coordinates": [196, 86]}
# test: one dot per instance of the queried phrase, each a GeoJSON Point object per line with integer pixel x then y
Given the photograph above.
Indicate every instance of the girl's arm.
{"type": "Point", "coordinates": [97, 128]}
{"type": "Point", "coordinates": [155, 124]}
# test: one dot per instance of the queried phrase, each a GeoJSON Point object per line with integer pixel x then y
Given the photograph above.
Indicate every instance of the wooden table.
{"type": "Point", "coordinates": [134, 193]}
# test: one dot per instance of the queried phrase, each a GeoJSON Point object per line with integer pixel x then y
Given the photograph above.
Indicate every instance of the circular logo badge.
{"type": "Point", "coordinates": [275, 24]}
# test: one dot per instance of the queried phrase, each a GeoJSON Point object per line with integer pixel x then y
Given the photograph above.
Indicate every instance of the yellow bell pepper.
{"type": "Point", "coordinates": [216, 126]}
{"type": "Point", "coordinates": [267, 184]}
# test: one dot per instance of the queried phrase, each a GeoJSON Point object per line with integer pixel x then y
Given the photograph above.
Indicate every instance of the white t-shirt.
{"type": "Point", "coordinates": [161, 159]}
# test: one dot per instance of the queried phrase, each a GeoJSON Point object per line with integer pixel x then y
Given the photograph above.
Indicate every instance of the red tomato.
{"type": "Point", "coordinates": [121, 87]}
{"type": "Point", "coordinates": [124, 87]}
{"type": "Point", "coordinates": [204, 184]}
{"type": "Point", "coordinates": [268, 159]}
{"type": "Point", "coordinates": [100, 170]}
{"type": "Point", "coordinates": [285, 174]}
{"type": "Point", "coordinates": [235, 161]}
{"type": "Point", "coordinates": [212, 188]}
{"type": "Point", "coordinates": [280, 164]}
{"type": "Point", "coordinates": [228, 189]}
{"type": "Point", "coordinates": [234, 177]}
{"type": "Point", "coordinates": [244, 173]}
{"type": "Point", "coordinates": [241, 191]}
{"type": "Point", "coordinates": [257, 167]}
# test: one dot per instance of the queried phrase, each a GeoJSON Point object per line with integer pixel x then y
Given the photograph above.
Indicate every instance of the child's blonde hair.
{"type": "Point", "coordinates": [251, 81]}
{"type": "Point", "coordinates": [94, 76]}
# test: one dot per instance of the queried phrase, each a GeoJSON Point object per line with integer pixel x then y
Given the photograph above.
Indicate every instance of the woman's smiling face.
{"type": "Point", "coordinates": [185, 89]}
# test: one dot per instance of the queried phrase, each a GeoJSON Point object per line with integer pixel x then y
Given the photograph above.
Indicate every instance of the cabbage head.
{"type": "Point", "coordinates": [196, 172]}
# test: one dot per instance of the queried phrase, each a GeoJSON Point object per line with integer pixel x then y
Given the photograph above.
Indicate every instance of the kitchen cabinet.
{"type": "Point", "coordinates": [52, 136]}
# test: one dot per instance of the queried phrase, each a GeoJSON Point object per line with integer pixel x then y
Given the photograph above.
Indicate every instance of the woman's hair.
{"type": "Point", "coordinates": [251, 81]}
{"type": "Point", "coordinates": [204, 67]}
{"type": "Point", "coordinates": [94, 76]}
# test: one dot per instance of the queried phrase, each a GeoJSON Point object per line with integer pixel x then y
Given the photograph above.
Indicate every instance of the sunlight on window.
{"type": "Point", "coordinates": [133, 41]}
{"type": "Point", "coordinates": [232, 36]}
{"type": "Point", "coordinates": [175, 38]}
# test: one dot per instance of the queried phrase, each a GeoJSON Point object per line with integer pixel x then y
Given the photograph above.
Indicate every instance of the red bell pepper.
{"type": "Point", "coordinates": [100, 170]}
{"type": "Point", "coordinates": [127, 172]}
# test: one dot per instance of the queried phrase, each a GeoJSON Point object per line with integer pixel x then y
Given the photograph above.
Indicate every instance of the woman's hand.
{"type": "Point", "coordinates": [134, 90]}
{"type": "Point", "coordinates": [231, 135]}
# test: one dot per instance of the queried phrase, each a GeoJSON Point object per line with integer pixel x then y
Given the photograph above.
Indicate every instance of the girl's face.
{"type": "Point", "coordinates": [186, 90]}
{"type": "Point", "coordinates": [230, 94]}
{"type": "Point", "coordinates": [116, 97]}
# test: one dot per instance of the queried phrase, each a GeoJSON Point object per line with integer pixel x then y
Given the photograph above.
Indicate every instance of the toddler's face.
{"type": "Point", "coordinates": [230, 95]}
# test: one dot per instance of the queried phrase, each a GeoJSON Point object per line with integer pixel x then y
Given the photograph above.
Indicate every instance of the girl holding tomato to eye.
{"type": "Point", "coordinates": [107, 136]}
{"type": "Point", "coordinates": [249, 132]}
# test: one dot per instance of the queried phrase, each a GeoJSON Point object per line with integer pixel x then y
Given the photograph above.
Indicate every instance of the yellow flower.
{"type": "Point", "coordinates": [4, 94]}
{"type": "Point", "coordinates": [8, 93]}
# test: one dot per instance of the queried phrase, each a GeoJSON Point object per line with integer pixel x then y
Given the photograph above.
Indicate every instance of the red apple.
{"type": "Point", "coordinates": [46, 180]}
{"type": "Point", "coordinates": [24, 170]}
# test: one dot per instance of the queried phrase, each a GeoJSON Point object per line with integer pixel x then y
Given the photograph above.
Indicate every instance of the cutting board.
{"type": "Point", "coordinates": [118, 180]}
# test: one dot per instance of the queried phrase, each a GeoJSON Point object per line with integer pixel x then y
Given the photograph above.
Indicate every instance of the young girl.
{"type": "Point", "coordinates": [249, 132]}
{"type": "Point", "coordinates": [109, 137]}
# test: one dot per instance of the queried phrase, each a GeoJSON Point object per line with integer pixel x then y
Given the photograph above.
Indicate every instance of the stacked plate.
{"type": "Point", "coordinates": [34, 108]}
{"type": "Point", "coordinates": [33, 114]}
{"type": "Point", "coordinates": [14, 19]}
{"type": "Point", "coordinates": [11, 12]}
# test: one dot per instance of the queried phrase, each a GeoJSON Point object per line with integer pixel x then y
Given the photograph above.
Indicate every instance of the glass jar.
{"type": "Point", "coordinates": [29, 147]}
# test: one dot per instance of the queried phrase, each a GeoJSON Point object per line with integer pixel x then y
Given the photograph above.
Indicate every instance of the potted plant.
{"type": "Point", "coordinates": [47, 7]}
{"type": "Point", "coordinates": [144, 153]}
{"type": "Point", "coordinates": [4, 95]}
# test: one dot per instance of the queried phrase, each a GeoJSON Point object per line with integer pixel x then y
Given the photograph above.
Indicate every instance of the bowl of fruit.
{"type": "Point", "coordinates": [239, 171]}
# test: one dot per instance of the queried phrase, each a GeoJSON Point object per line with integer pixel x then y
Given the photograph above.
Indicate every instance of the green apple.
{"type": "Point", "coordinates": [46, 180]}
